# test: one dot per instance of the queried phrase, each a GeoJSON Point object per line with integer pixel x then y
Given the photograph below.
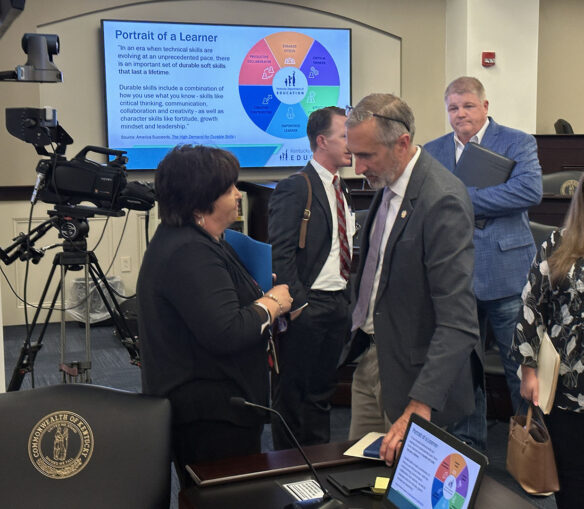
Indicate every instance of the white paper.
{"type": "Point", "coordinates": [548, 363]}
{"type": "Point", "coordinates": [356, 450]}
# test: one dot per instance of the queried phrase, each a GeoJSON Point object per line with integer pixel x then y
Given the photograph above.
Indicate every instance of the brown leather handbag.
{"type": "Point", "coordinates": [530, 455]}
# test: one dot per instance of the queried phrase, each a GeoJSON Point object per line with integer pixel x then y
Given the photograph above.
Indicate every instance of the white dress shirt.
{"type": "Point", "coordinates": [329, 278]}
{"type": "Point", "coordinates": [399, 189]}
{"type": "Point", "coordinates": [477, 138]}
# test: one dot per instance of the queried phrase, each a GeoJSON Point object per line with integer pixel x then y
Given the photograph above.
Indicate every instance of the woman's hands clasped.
{"type": "Point", "coordinates": [277, 300]}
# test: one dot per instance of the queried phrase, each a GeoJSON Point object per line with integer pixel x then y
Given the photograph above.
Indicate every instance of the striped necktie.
{"type": "Point", "coordinates": [345, 255]}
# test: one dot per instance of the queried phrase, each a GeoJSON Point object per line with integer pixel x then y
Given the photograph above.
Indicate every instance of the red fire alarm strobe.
{"type": "Point", "coordinates": [488, 58]}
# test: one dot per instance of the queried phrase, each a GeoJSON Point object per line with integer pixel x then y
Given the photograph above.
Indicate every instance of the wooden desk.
{"type": "Point", "coordinates": [259, 193]}
{"type": "Point", "coordinates": [551, 210]}
{"type": "Point", "coordinates": [559, 152]}
{"type": "Point", "coordinates": [361, 198]}
{"type": "Point", "coordinates": [265, 491]}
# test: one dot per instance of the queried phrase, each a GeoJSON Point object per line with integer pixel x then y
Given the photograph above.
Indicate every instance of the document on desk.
{"type": "Point", "coordinates": [304, 490]}
{"type": "Point", "coordinates": [364, 448]}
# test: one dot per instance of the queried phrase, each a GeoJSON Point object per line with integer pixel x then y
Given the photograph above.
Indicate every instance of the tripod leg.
{"type": "Point", "coordinates": [29, 351]}
{"type": "Point", "coordinates": [76, 371]}
{"type": "Point", "coordinates": [120, 323]}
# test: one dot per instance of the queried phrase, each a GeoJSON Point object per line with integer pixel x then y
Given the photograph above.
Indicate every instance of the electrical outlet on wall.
{"type": "Point", "coordinates": [126, 263]}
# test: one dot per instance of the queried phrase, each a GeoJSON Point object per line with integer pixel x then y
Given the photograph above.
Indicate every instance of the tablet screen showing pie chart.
{"type": "Point", "coordinates": [450, 486]}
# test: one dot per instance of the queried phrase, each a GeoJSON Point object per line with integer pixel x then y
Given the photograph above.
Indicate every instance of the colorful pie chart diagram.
{"type": "Point", "coordinates": [283, 79]}
{"type": "Point", "coordinates": [450, 486]}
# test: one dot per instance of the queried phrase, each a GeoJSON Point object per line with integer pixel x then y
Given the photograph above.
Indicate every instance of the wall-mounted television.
{"type": "Point", "coordinates": [247, 89]}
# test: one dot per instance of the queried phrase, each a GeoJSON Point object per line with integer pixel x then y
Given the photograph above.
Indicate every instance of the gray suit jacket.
{"type": "Point", "coordinates": [426, 329]}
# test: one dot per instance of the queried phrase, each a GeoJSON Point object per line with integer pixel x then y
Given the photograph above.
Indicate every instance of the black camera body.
{"type": "Point", "coordinates": [70, 182]}
{"type": "Point", "coordinates": [80, 179]}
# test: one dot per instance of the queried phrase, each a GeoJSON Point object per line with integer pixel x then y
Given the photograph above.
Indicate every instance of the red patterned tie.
{"type": "Point", "coordinates": [345, 255]}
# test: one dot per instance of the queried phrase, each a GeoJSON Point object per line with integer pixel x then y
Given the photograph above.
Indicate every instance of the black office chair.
{"type": "Point", "coordinates": [499, 406]}
{"type": "Point", "coordinates": [84, 446]}
{"type": "Point", "coordinates": [540, 232]}
{"type": "Point", "coordinates": [563, 127]}
{"type": "Point", "coordinates": [561, 182]}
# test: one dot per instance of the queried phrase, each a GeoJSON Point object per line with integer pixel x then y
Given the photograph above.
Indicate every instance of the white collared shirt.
{"type": "Point", "coordinates": [399, 189]}
{"type": "Point", "coordinates": [329, 278]}
{"type": "Point", "coordinates": [477, 138]}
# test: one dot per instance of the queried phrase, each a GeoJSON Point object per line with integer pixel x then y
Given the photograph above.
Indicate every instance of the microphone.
{"type": "Point", "coordinates": [327, 501]}
{"type": "Point", "coordinates": [42, 169]}
{"type": "Point", "coordinates": [37, 186]}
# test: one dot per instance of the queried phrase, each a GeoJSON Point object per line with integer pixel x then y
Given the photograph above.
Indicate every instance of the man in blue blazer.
{"type": "Point", "coordinates": [415, 306]}
{"type": "Point", "coordinates": [504, 247]}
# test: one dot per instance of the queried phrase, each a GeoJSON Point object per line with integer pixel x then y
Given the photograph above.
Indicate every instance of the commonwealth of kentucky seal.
{"type": "Point", "coordinates": [61, 444]}
{"type": "Point", "coordinates": [569, 187]}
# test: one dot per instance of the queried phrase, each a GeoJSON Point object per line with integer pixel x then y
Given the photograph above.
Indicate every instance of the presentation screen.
{"type": "Point", "coordinates": [246, 89]}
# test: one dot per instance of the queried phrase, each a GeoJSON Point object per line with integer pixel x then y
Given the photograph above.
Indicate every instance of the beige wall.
{"type": "Point", "coordinates": [419, 24]}
{"type": "Point", "coordinates": [474, 26]}
{"type": "Point", "coordinates": [561, 73]}
{"type": "Point", "coordinates": [80, 107]}
{"type": "Point", "coordinates": [81, 59]}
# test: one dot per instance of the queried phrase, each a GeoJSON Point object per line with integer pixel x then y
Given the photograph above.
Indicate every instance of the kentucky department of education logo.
{"type": "Point", "coordinates": [60, 445]}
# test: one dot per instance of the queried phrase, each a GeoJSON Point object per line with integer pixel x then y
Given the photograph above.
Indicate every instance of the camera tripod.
{"type": "Point", "coordinates": [73, 257]}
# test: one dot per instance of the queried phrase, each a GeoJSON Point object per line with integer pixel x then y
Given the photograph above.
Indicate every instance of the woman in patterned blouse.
{"type": "Point", "coordinates": [553, 300]}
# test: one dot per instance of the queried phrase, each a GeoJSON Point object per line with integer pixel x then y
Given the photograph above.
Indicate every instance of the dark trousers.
{"type": "Point", "coordinates": [502, 315]}
{"type": "Point", "coordinates": [472, 429]}
{"type": "Point", "coordinates": [308, 354]}
{"type": "Point", "coordinates": [211, 440]}
{"type": "Point", "coordinates": [567, 433]}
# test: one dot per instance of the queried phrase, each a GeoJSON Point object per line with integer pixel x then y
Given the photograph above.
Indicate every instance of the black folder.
{"type": "Point", "coordinates": [352, 481]}
{"type": "Point", "coordinates": [480, 167]}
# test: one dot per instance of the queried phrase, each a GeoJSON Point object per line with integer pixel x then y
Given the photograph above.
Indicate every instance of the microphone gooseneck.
{"type": "Point", "coordinates": [328, 501]}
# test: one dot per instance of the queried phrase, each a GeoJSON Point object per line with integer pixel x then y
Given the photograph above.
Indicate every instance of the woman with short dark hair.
{"type": "Point", "coordinates": [203, 320]}
{"type": "Point", "coordinates": [192, 178]}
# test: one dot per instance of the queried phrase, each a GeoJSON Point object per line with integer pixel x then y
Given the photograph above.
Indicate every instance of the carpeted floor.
{"type": "Point", "coordinates": [111, 367]}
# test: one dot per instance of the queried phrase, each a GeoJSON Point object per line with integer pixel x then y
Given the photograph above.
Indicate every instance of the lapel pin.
{"type": "Point", "coordinates": [403, 214]}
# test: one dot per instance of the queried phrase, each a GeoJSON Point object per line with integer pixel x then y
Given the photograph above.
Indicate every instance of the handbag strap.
{"type": "Point", "coordinates": [529, 416]}
{"type": "Point", "coordinates": [306, 214]}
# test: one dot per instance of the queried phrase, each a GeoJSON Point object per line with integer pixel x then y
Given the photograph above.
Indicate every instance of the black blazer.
{"type": "Point", "coordinates": [297, 267]}
{"type": "Point", "coordinates": [200, 338]}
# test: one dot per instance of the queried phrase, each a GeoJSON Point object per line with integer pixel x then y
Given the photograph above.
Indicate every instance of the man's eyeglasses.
{"type": "Point", "coordinates": [349, 109]}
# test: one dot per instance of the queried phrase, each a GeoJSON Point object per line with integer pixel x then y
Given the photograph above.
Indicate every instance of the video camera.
{"type": "Point", "coordinates": [69, 183]}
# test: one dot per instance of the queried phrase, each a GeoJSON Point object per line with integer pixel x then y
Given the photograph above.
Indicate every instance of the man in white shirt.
{"type": "Point", "coordinates": [415, 320]}
{"type": "Point", "coordinates": [317, 274]}
{"type": "Point", "coordinates": [504, 246]}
